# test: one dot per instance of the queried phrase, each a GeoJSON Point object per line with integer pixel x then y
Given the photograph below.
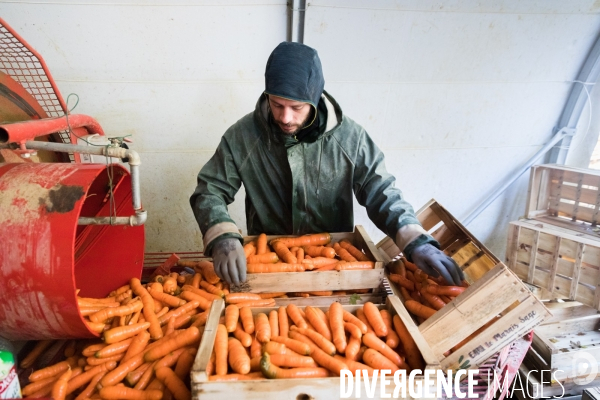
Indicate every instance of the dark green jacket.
{"type": "Point", "coordinates": [297, 187]}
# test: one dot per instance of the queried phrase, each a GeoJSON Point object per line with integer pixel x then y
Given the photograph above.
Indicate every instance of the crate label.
{"type": "Point", "coordinates": [9, 384]}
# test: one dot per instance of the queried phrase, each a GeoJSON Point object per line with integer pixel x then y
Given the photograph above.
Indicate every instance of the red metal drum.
{"type": "Point", "coordinates": [45, 255]}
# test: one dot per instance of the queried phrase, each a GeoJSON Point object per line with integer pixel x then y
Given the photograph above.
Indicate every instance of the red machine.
{"type": "Point", "coordinates": [64, 225]}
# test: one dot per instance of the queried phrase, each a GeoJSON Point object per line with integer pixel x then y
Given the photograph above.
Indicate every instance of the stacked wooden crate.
{"type": "Point", "coordinates": [556, 250]}
{"type": "Point", "coordinates": [494, 291]}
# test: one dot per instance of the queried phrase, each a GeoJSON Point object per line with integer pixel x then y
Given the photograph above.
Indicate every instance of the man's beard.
{"type": "Point", "coordinates": [298, 127]}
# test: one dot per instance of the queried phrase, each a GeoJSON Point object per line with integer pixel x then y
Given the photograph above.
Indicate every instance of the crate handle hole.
{"type": "Point", "coordinates": [304, 396]}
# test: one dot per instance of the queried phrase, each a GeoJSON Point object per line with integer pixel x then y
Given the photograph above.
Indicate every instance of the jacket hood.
{"type": "Point", "coordinates": [294, 72]}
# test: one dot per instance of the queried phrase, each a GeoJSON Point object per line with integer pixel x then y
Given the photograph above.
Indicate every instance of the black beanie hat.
{"type": "Point", "coordinates": [294, 72]}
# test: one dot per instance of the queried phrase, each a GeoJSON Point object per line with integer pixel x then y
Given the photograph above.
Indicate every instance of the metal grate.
{"type": "Point", "coordinates": [23, 64]}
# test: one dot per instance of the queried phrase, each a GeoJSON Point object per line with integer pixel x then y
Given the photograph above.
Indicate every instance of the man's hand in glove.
{"type": "Point", "coordinates": [434, 262]}
{"type": "Point", "coordinates": [229, 260]}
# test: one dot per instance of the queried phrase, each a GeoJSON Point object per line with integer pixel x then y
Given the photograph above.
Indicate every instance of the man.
{"type": "Point", "coordinates": [301, 160]}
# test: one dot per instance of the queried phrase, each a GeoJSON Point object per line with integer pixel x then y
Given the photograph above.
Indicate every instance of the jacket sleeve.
{"type": "Point", "coordinates": [218, 182]}
{"type": "Point", "coordinates": [374, 188]}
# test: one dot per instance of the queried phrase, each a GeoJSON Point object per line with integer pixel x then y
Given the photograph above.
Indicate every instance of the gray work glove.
{"type": "Point", "coordinates": [229, 260]}
{"type": "Point", "coordinates": [434, 262]}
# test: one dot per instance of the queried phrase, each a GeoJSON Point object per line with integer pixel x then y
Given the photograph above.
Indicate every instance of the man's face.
{"type": "Point", "coordinates": [289, 115]}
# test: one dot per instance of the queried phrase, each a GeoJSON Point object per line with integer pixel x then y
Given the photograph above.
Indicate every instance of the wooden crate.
{"type": "Point", "coordinates": [321, 280]}
{"type": "Point", "coordinates": [562, 262]}
{"type": "Point", "coordinates": [277, 389]}
{"type": "Point", "coordinates": [559, 345]}
{"type": "Point", "coordinates": [494, 290]}
{"type": "Point", "coordinates": [565, 196]}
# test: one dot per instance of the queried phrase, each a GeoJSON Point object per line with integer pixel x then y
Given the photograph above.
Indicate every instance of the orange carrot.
{"type": "Point", "coordinates": [451, 291]}
{"type": "Point", "coordinates": [233, 298]}
{"type": "Point", "coordinates": [319, 262]}
{"type": "Point", "coordinates": [119, 290]}
{"type": "Point", "coordinates": [181, 339]}
{"type": "Point", "coordinates": [402, 281]}
{"type": "Point", "coordinates": [295, 345]}
{"type": "Point", "coordinates": [263, 329]}
{"type": "Point", "coordinates": [110, 312]}
{"type": "Point", "coordinates": [169, 359]}
{"type": "Point", "coordinates": [348, 317]}
{"type": "Point", "coordinates": [207, 270]}
{"type": "Point", "coordinates": [33, 355]}
{"type": "Point", "coordinates": [203, 302]}
{"type": "Point", "coordinates": [317, 239]}
{"type": "Point", "coordinates": [177, 312]}
{"type": "Point", "coordinates": [134, 376]}
{"type": "Point", "coordinates": [419, 309]}
{"type": "Point", "coordinates": [353, 330]}
{"type": "Point", "coordinates": [138, 344]}
{"type": "Point", "coordinates": [292, 361]}
{"type": "Point", "coordinates": [169, 285]}
{"type": "Point", "coordinates": [376, 360]}
{"type": "Point", "coordinates": [238, 358]}
{"type": "Point", "coordinates": [336, 322]}
{"type": "Point", "coordinates": [271, 295]}
{"type": "Point", "coordinates": [274, 322]}
{"type": "Point", "coordinates": [413, 355]}
{"type": "Point", "coordinates": [232, 314]}
{"type": "Point", "coordinates": [212, 289]}
{"type": "Point", "coordinates": [270, 268]}
{"type": "Point", "coordinates": [184, 364]}
{"type": "Point", "coordinates": [249, 249]}
{"type": "Point", "coordinates": [344, 266]}
{"type": "Point", "coordinates": [372, 341]}
{"type": "Point", "coordinates": [122, 392]}
{"type": "Point", "coordinates": [353, 348]}
{"type": "Point", "coordinates": [114, 349]}
{"type": "Point", "coordinates": [317, 322]}
{"type": "Point", "coordinates": [374, 317]}
{"type": "Point", "coordinates": [256, 303]}
{"type": "Point", "coordinates": [51, 371]}
{"type": "Point", "coordinates": [247, 320]}
{"type": "Point", "coordinates": [59, 389]}
{"type": "Point", "coordinates": [300, 254]}
{"type": "Point", "coordinates": [283, 321]}
{"type": "Point", "coordinates": [91, 387]}
{"type": "Point", "coordinates": [221, 346]}
{"type": "Point", "coordinates": [355, 365]}
{"type": "Point", "coordinates": [391, 339]}
{"type": "Point", "coordinates": [343, 253]}
{"type": "Point", "coordinates": [356, 253]}
{"type": "Point", "coordinates": [271, 371]}
{"type": "Point", "coordinates": [435, 301]}
{"type": "Point", "coordinates": [265, 258]}
{"type": "Point", "coordinates": [241, 335]}
{"type": "Point", "coordinates": [272, 347]}
{"type": "Point", "coordinates": [83, 378]}
{"type": "Point", "coordinates": [317, 338]}
{"type": "Point", "coordinates": [41, 384]}
{"type": "Point", "coordinates": [93, 361]}
{"type": "Point", "coordinates": [148, 310]}
{"type": "Point", "coordinates": [283, 252]}
{"type": "Point", "coordinates": [255, 348]}
{"type": "Point", "coordinates": [320, 357]}
{"type": "Point", "coordinates": [261, 244]}
{"type": "Point", "coordinates": [196, 280]}
{"type": "Point", "coordinates": [167, 299]}
{"type": "Point", "coordinates": [93, 349]}
{"type": "Point", "coordinates": [319, 251]}
{"type": "Point", "coordinates": [238, 377]}
{"type": "Point", "coordinates": [124, 332]}
{"type": "Point", "coordinates": [294, 313]}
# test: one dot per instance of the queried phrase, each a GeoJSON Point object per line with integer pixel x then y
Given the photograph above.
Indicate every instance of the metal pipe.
{"type": "Point", "coordinates": [558, 136]}
{"type": "Point", "coordinates": [134, 162]}
{"type": "Point", "coordinates": [19, 132]}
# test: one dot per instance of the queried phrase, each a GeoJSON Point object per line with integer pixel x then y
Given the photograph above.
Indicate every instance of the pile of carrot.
{"type": "Point", "coordinates": [423, 295]}
{"type": "Point", "coordinates": [149, 336]}
{"type": "Point", "coordinates": [313, 252]}
{"type": "Point", "coordinates": [291, 342]}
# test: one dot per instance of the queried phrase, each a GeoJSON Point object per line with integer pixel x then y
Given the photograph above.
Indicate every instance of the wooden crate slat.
{"type": "Point", "coordinates": [473, 308]}
{"type": "Point", "coordinates": [207, 343]}
{"type": "Point", "coordinates": [566, 310]}
{"type": "Point", "coordinates": [533, 257]}
{"type": "Point", "coordinates": [576, 271]}
{"type": "Point", "coordinates": [554, 266]}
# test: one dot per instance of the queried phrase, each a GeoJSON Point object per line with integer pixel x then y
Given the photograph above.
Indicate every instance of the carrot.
{"type": "Point", "coordinates": [271, 295]}
{"type": "Point", "coordinates": [109, 312]}
{"type": "Point", "coordinates": [51, 371]}
{"type": "Point", "coordinates": [118, 374]}
{"type": "Point", "coordinates": [196, 280]}
{"type": "Point", "coordinates": [173, 383]}
{"type": "Point", "coordinates": [319, 251]}
{"type": "Point", "coordinates": [300, 254]}
{"type": "Point", "coordinates": [353, 330]}
{"type": "Point", "coordinates": [284, 360]}
{"type": "Point", "coordinates": [249, 249]}
{"type": "Point", "coordinates": [247, 320]}
{"type": "Point", "coordinates": [256, 303]}
{"type": "Point", "coordinates": [238, 377]}
{"type": "Point", "coordinates": [419, 309]}
{"type": "Point", "coordinates": [435, 301]}
{"type": "Point", "coordinates": [241, 335]}
{"type": "Point", "coordinates": [83, 378]}
{"type": "Point", "coordinates": [93, 361]}
{"type": "Point", "coordinates": [356, 253]}
{"type": "Point", "coordinates": [91, 387]}
{"type": "Point", "coordinates": [184, 364]}
{"type": "Point", "coordinates": [317, 239]}
{"type": "Point", "coordinates": [343, 253]}
{"type": "Point", "coordinates": [261, 244]}
{"type": "Point", "coordinates": [38, 385]}
{"type": "Point", "coordinates": [148, 310]}
{"type": "Point", "coordinates": [283, 252]}
{"type": "Point", "coordinates": [353, 348]}
{"type": "Point", "coordinates": [295, 345]}
{"type": "Point", "coordinates": [270, 268]}
{"type": "Point", "coordinates": [391, 339]}
{"type": "Point", "coordinates": [321, 293]}
{"type": "Point", "coordinates": [283, 321]}
{"type": "Point", "coordinates": [294, 313]}
{"type": "Point", "coordinates": [33, 355]}
{"type": "Point", "coordinates": [319, 262]}
{"type": "Point", "coordinates": [203, 302]}
{"type": "Point", "coordinates": [402, 281]}
{"type": "Point", "coordinates": [376, 360]}
{"type": "Point", "coordinates": [176, 312]}
{"type": "Point", "coordinates": [138, 343]}
{"type": "Point", "coordinates": [344, 266]}
{"type": "Point", "coordinates": [349, 317]}
{"type": "Point", "coordinates": [273, 348]}
{"type": "Point", "coordinates": [238, 358]}
{"type": "Point", "coordinates": [271, 371]}
{"type": "Point", "coordinates": [181, 339]}
{"type": "Point", "coordinates": [413, 355]}
{"type": "Point", "coordinates": [212, 289]}
{"type": "Point", "coordinates": [451, 291]}
{"type": "Point", "coordinates": [169, 359]}
{"type": "Point", "coordinates": [274, 322]}
{"type": "Point", "coordinates": [263, 328]}
{"type": "Point", "coordinates": [59, 388]}
{"type": "Point", "coordinates": [90, 300]}
{"type": "Point", "coordinates": [374, 317]}
{"type": "Point", "coordinates": [372, 341]}
{"type": "Point", "coordinates": [199, 320]}
{"type": "Point", "coordinates": [114, 349]}
{"type": "Point", "coordinates": [353, 366]}
{"type": "Point", "coordinates": [336, 322]}
{"type": "Point", "coordinates": [146, 377]}
{"type": "Point", "coordinates": [232, 314]}
{"type": "Point", "coordinates": [92, 349]}
{"type": "Point", "coordinates": [233, 298]}
{"type": "Point", "coordinates": [318, 339]}
{"type": "Point", "coordinates": [221, 347]}
{"type": "Point", "coordinates": [322, 358]}
{"type": "Point", "coordinates": [134, 377]}
{"type": "Point", "coordinates": [255, 348]}
{"type": "Point", "coordinates": [317, 322]}
{"type": "Point", "coordinates": [167, 299]}
{"type": "Point", "coordinates": [119, 290]}
{"type": "Point", "coordinates": [207, 270]}
{"type": "Point", "coordinates": [122, 392]}
{"type": "Point", "coordinates": [120, 333]}
{"type": "Point", "coordinates": [200, 292]}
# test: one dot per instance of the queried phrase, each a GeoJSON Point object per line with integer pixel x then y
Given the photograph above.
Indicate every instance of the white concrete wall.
{"type": "Point", "coordinates": [458, 93]}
